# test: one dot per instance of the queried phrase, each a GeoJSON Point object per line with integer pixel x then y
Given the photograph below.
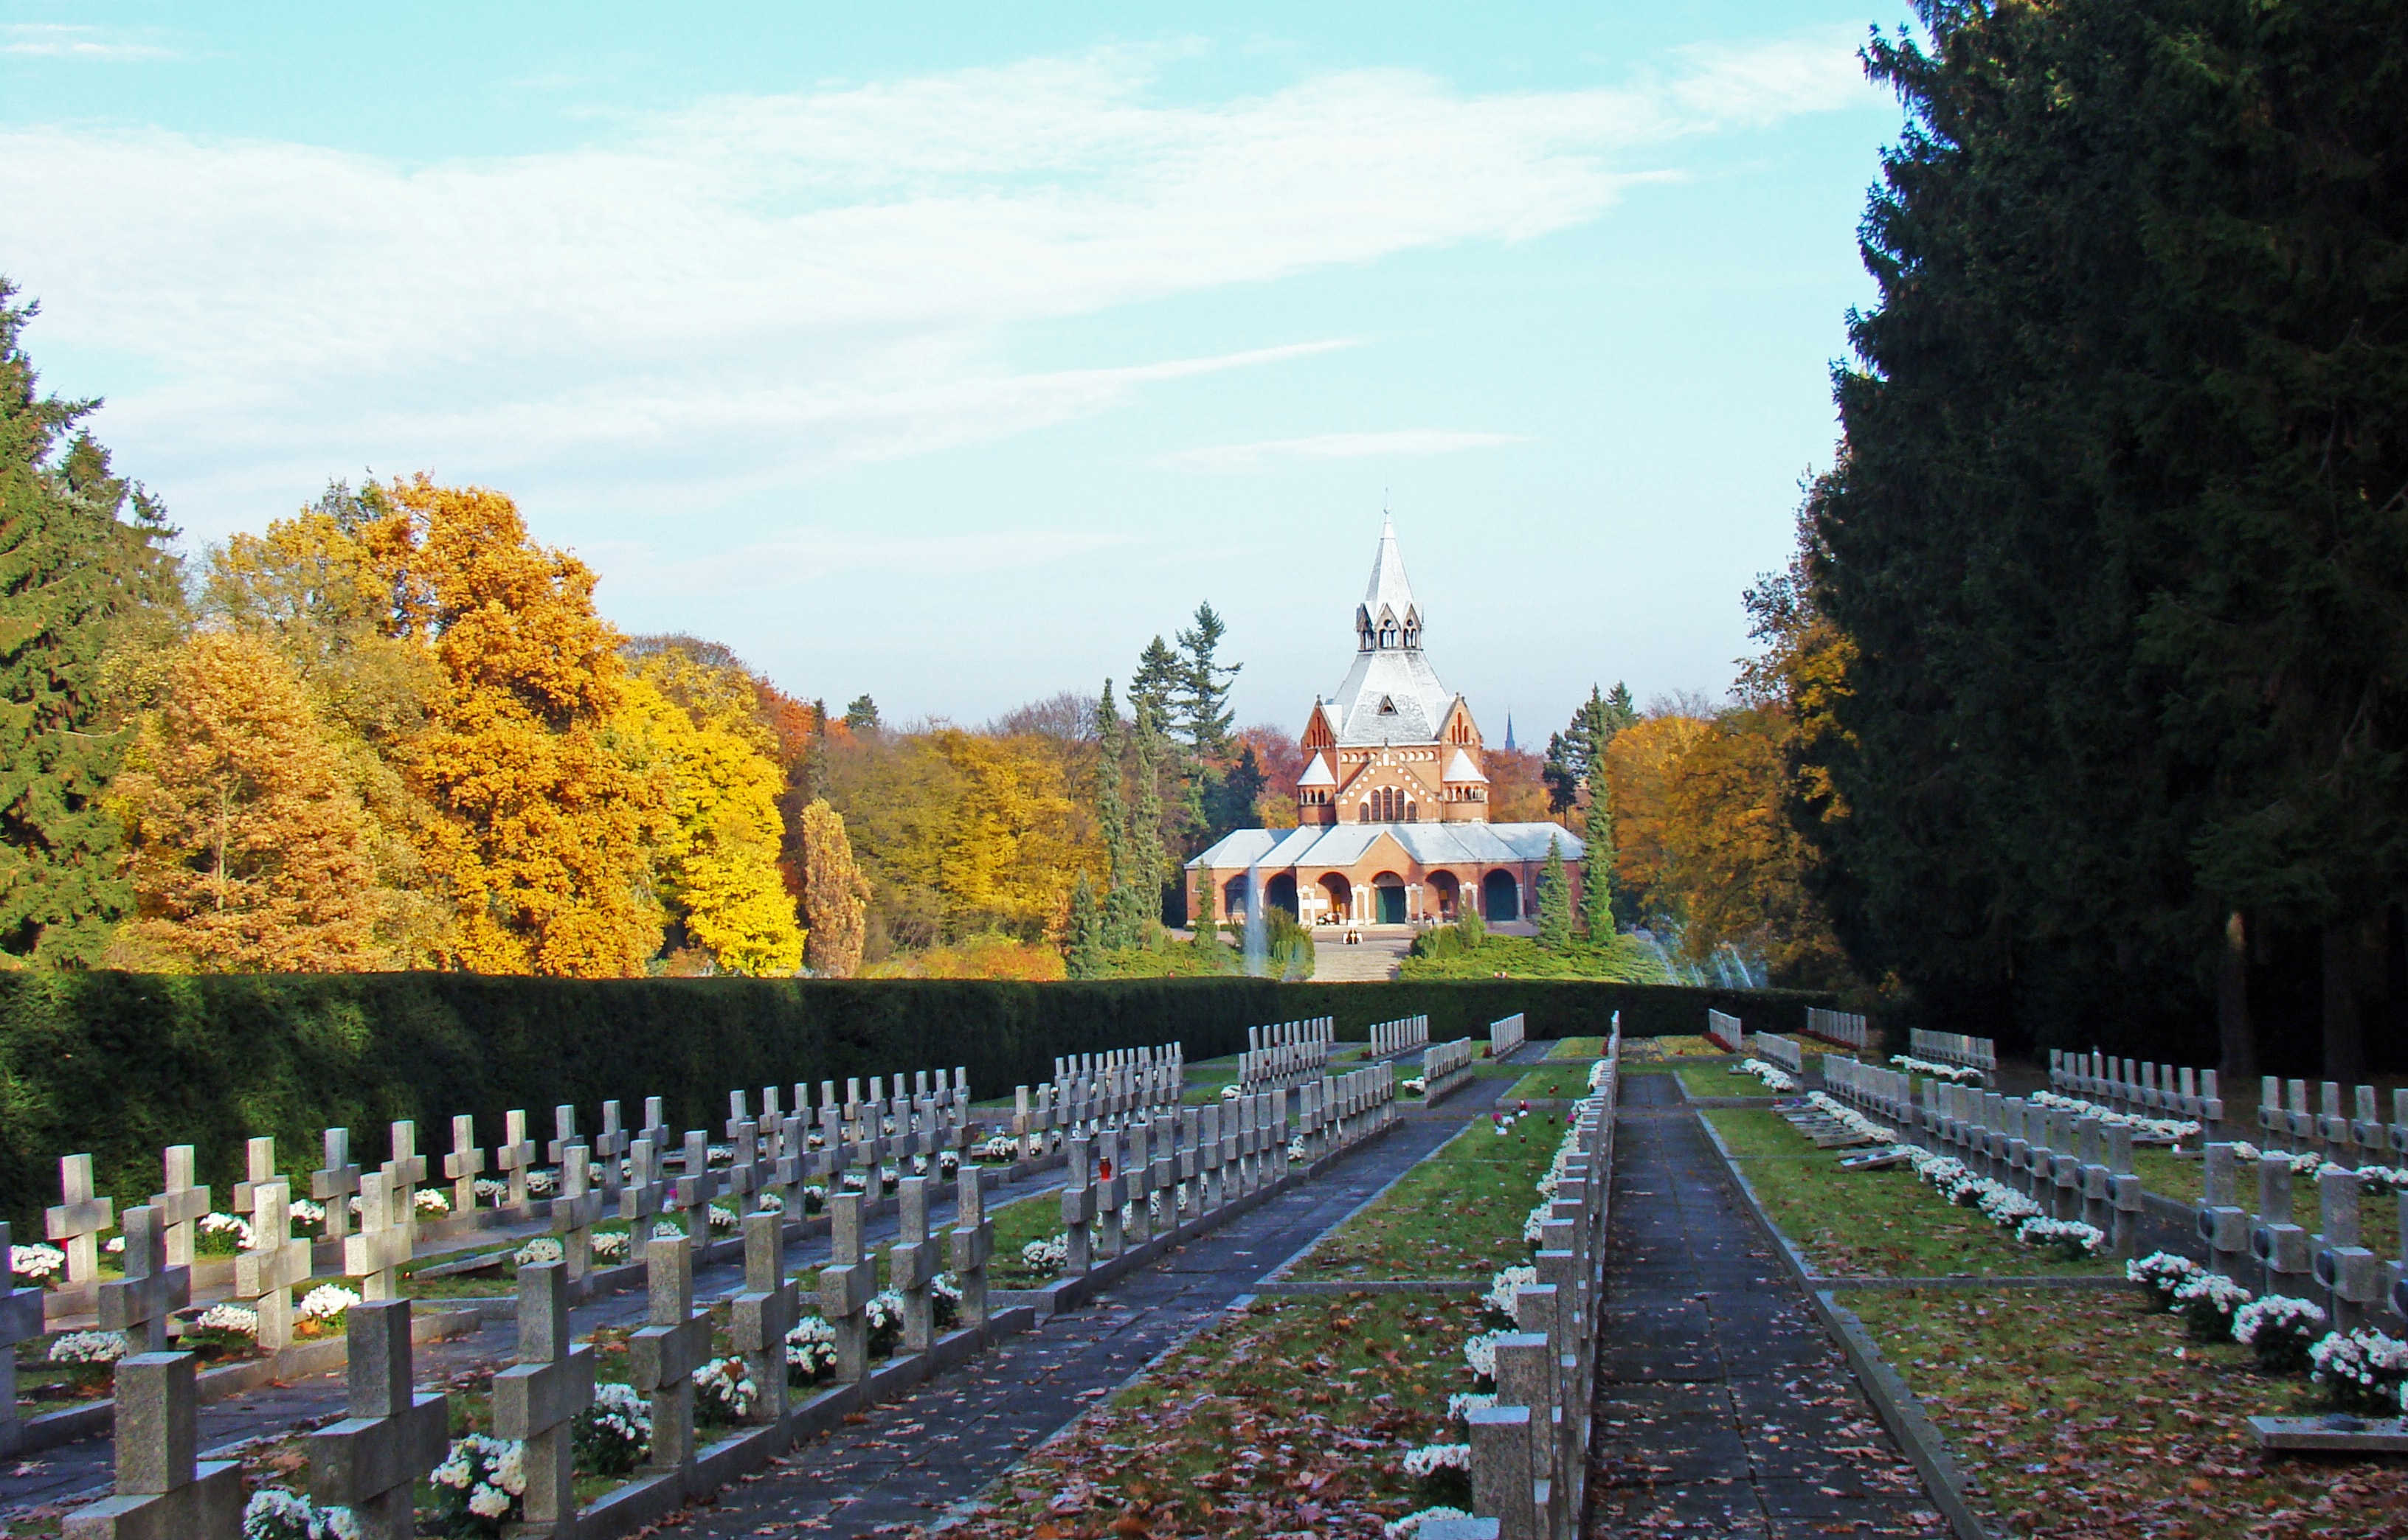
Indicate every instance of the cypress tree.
{"type": "Point", "coordinates": [1202, 691]}
{"type": "Point", "coordinates": [1554, 900]}
{"type": "Point", "coordinates": [1113, 821]}
{"type": "Point", "coordinates": [74, 575]}
{"type": "Point", "coordinates": [1206, 932]}
{"type": "Point", "coordinates": [1597, 866]}
{"type": "Point", "coordinates": [1085, 956]}
{"type": "Point", "coordinates": [1146, 858]}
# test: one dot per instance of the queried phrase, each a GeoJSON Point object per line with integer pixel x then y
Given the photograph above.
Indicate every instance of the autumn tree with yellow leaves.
{"type": "Point", "coordinates": [247, 844]}
{"type": "Point", "coordinates": [836, 896]}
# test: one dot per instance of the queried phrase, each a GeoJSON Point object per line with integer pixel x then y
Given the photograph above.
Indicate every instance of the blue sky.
{"type": "Point", "coordinates": [948, 352]}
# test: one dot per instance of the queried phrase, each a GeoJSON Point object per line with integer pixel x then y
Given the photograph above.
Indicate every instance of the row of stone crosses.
{"type": "Point", "coordinates": [1287, 1053]}
{"type": "Point", "coordinates": [1529, 1451]}
{"type": "Point", "coordinates": [1195, 1161]}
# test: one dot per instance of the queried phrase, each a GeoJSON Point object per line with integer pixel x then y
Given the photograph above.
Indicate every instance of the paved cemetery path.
{"type": "Point", "coordinates": [944, 1443]}
{"type": "Point", "coordinates": [1723, 1407]}
{"type": "Point", "coordinates": [53, 1474]}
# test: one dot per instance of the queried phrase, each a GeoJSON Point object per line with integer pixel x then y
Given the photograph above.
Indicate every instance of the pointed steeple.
{"type": "Point", "coordinates": [1387, 620]}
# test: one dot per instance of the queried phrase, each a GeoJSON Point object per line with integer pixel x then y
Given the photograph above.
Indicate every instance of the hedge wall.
{"type": "Point", "coordinates": [123, 1065]}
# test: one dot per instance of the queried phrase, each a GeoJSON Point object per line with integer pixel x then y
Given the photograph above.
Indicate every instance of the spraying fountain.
{"type": "Point", "coordinates": [1254, 946]}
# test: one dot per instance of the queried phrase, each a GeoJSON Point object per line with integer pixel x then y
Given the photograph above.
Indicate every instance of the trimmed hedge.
{"type": "Point", "coordinates": [124, 1064]}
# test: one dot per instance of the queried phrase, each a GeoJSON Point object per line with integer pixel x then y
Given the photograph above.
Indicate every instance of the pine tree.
{"type": "Point", "coordinates": [1596, 864]}
{"type": "Point", "coordinates": [74, 575]}
{"type": "Point", "coordinates": [1201, 695]}
{"type": "Point", "coordinates": [862, 715]}
{"type": "Point", "coordinates": [1573, 753]}
{"type": "Point", "coordinates": [1554, 900]}
{"type": "Point", "coordinates": [835, 895]}
{"type": "Point", "coordinates": [1158, 680]}
{"type": "Point", "coordinates": [1206, 932]}
{"type": "Point", "coordinates": [1083, 958]}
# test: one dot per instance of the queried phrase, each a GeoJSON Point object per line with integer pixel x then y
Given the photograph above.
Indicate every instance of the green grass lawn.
{"type": "Point", "coordinates": [1577, 1048]}
{"type": "Point", "coordinates": [1872, 1223]}
{"type": "Point", "coordinates": [1655, 1049]}
{"type": "Point", "coordinates": [1236, 1432]}
{"type": "Point", "coordinates": [1457, 1215]}
{"type": "Point", "coordinates": [2073, 1409]}
{"type": "Point", "coordinates": [1562, 1079]}
{"type": "Point", "coordinates": [1720, 1081]}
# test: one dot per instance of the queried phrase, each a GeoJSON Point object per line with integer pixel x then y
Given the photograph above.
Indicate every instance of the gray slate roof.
{"type": "Point", "coordinates": [1429, 844]}
{"type": "Point", "coordinates": [1401, 677]}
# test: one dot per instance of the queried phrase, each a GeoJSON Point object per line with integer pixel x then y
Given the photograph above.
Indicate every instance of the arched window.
{"type": "Point", "coordinates": [1409, 812]}
{"type": "Point", "coordinates": [1366, 817]}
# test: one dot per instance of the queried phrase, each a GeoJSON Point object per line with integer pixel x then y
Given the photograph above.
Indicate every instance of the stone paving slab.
{"type": "Point", "coordinates": [1723, 1407]}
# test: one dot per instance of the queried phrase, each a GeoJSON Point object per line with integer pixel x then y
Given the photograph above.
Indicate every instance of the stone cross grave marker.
{"type": "Point", "coordinates": [266, 1273]}
{"type": "Point", "coordinates": [536, 1399]}
{"type": "Point", "coordinates": [78, 1219]}
{"type": "Point", "coordinates": [1136, 1222]}
{"type": "Point", "coordinates": [2279, 1244]}
{"type": "Point", "coordinates": [744, 1166]}
{"type": "Point", "coordinates": [163, 1493]}
{"type": "Point", "coordinates": [515, 1158]}
{"type": "Point", "coordinates": [136, 1306]}
{"type": "Point", "coordinates": [376, 1255]}
{"type": "Point", "coordinates": [334, 1184]}
{"type": "Point", "coordinates": [181, 1206]}
{"type": "Point", "coordinates": [656, 1129]}
{"type": "Point", "coordinates": [371, 1461]}
{"type": "Point", "coordinates": [402, 1175]}
{"type": "Point", "coordinates": [1190, 1122]}
{"type": "Point", "coordinates": [911, 1263]}
{"type": "Point", "coordinates": [640, 1199]}
{"type": "Point", "coordinates": [258, 1170]}
{"type": "Point", "coordinates": [20, 1321]}
{"type": "Point", "coordinates": [845, 1287]}
{"type": "Point", "coordinates": [2222, 1223]}
{"type": "Point", "coordinates": [2351, 1274]}
{"type": "Point", "coordinates": [784, 1176]}
{"type": "Point", "coordinates": [564, 1134]}
{"type": "Point", "coordinates": [1110, 1181]}
{"type": "Point", "coordinates": [697, 1185]}
{"type": "Point", "coordinates": [1078, 1206]}
{"type": "Point", "coordinates": [972, 1242]}
{"type": "Point", "coordinates": [664, 1354]}
{"type": "Point", "coordinates": [575, 1212]}
{"type": "Point", "coordinates": [760, 1315]}
{"type": "Point", "coordinates": [465, 1165]}
{"type": "Point", "coordinates": [609, 1150]}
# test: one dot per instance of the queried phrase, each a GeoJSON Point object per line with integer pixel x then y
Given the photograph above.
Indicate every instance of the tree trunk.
{"type": "Point", "coordinates": [2345, 1041]}
{"type": "Point", "coordinates": [2236, 1035]}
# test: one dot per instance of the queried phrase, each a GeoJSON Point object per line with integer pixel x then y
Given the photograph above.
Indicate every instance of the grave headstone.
{"type": "Point", "coordinates": [515, 1158]}
{"type": "Point", "coordinates": [79, 1218]}
{"type": "Point", "coordinates": [378, 1253]}
{"type": "Point", "coordinates": [564, 1134]}
{"type": "Point", "coordinates": [258, 1170]}
{"type": "Point", "coordinates": [1078, 1206]}
{"type": "Point", "coordinates": [335, 1183]}
{"type": "Point", "coordinates": [2223, 1224]}
{"type": "Point", "coordinates": [402, 1175]}
{"type": "Point", "coordinates": [20, 1321]}
{"type": "Point", "coordinates": [610, 1153]}
{"type": "Point", "coordinates": [664, 1354]}
{"type": "Point", "coordinates": [760, 1315]}
{"type": "Point", "coordinates": [136, 1306]}
{"type": "Point", "coordinates": [972, 1244]}
{"type": "Point", "coordinates": [2350, 1274]}
{"type": "Point", "coordinates": [371, 1461]}
{"type": "Point", "coordinates": [2280, 1246]}
{"type": "Point", "coordinates": [266, 1273]}
{"type": "Point", "coordinates": [911, 1263]}
{"type": "Point", "coordinates": [640, 1199]}
{"type": "Point", "coordinates": [1110, 1181]}
{"type": "Point", "coordinates": [575, 1212]}
{"type": "Point", "coordinates": [536, 1401]}
{"type": "Point", "coordinates": [162, 1492]}
{"type": "Point", "coordinates": [465, 1165]}
{"type": "Point", "coordinates": [845, 1287]}
{"type": "Point", "coordinates": [183, 1207]}
{"type": "Point", "coordinates": [697, 1185]}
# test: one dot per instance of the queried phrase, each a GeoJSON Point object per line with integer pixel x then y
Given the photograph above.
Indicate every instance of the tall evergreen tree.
{"type": "Point", "coordinates": [1118, 926]}
{"type": "Point", "coordinates": [1201, 695]}
{"type": "Point", "coordinates": [1571, 752]}
{"type": "Point", "coordinates": [1083, 958]}
{"type": "Point", "coordinates": [1158, 680]}
{"type": "Point", "coordinates": [1554, 900]}
{"type": "Point", "coordinates": [862, 715]}
{"type": "Point", "coordinates": [1148, 862]}
{"type": "Point", "coordinates": [75, 571]}
{"type": "Point", "coordinates": [1597, 865]}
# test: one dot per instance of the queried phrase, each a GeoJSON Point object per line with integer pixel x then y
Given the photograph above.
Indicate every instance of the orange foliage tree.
{"type": "Point", "coordinates": [542, 842]}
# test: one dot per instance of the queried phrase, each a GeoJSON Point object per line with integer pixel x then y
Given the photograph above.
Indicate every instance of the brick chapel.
{"type": "Point", "coordinates": [1392, 804]}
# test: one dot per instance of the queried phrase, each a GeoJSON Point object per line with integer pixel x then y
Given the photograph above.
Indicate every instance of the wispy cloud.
{"type": "Point", "coordinates": [758, 285]}
{"type": "Point", "coordinates": [64, 40]}
{"type": "Point", "coordinates": [1231, 458]}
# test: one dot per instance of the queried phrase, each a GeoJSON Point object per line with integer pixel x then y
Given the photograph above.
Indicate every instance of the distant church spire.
{"type": "Point", "coordinates": [1509, 732]}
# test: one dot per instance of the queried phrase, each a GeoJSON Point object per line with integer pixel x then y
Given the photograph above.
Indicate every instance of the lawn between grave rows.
{"type": "Point", "coordinates": [1291, 1416]}
{"type": "Point", "coordinates": [2081, 1412]}
{"type": "Point", "coordinates": [1561, 1080]}
{"type": "Point", "coordinates": [1884, 1224]}
{"type": "Point", "coordinates": [1455, 1215]}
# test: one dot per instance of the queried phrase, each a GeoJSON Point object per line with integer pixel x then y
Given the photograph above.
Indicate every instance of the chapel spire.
{"type": "Point", "coordinates": [1387, 620]}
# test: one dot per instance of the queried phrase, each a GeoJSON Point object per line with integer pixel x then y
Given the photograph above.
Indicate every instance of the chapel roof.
{"type": "Point", "coordinates": [1460, 768]}
{"type": "Point", "coordinates": [1316, 773]}
{"type": "Point", "coordinates": [1428, 844]}
{"type": "Point", "coordinates": [1391, 695]}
